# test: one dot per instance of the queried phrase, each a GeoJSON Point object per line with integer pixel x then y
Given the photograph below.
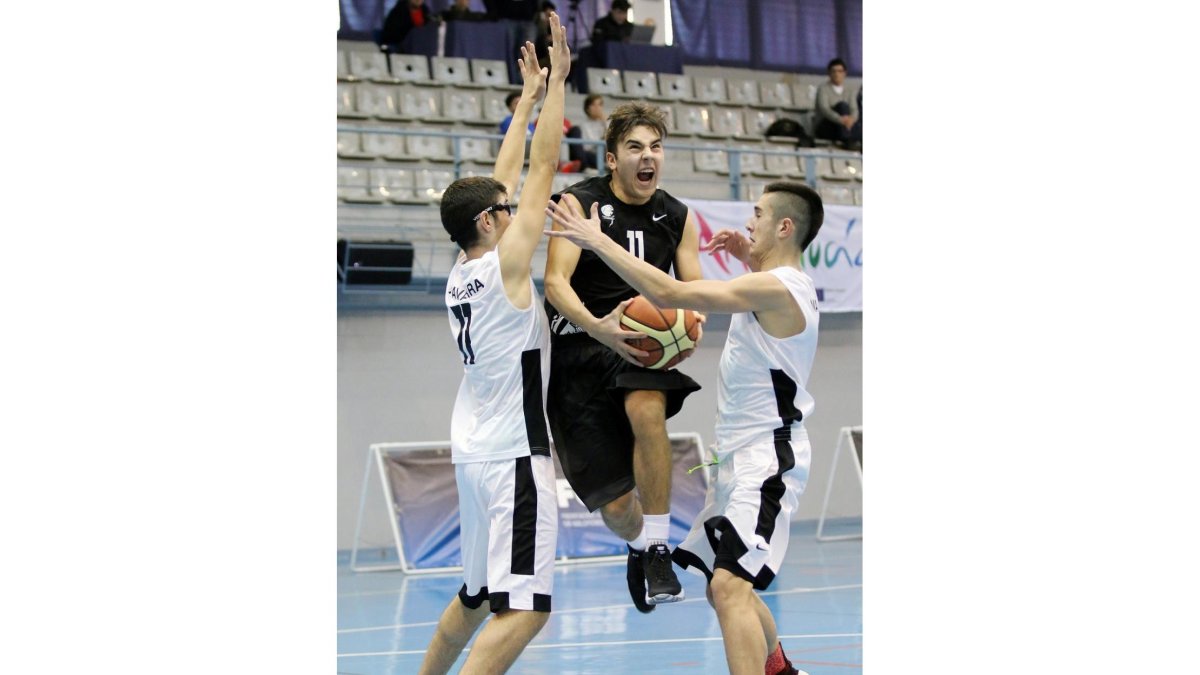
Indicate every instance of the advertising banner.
{"type": "Point", "coordinates": [833, 259]}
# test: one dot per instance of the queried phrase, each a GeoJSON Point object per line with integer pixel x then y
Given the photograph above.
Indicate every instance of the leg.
{"type": "Point", "coordinates": [623, 516]}
{"type": "Point", "coordinates": [647, 411]}
{"type": "Point", "coordinates": [502, 641]}
{"type": "Point", "coordinates": [770, 632]}
{"type": "Point", "coordinates": [741, 625]}
{"type": "Point", "coordinates": [454, 630]}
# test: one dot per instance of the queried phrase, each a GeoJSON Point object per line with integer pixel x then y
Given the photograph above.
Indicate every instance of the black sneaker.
{"type": "Point", "coordinates": [636, 577]}
{"type": "Point", "coordinates": [662, 585]}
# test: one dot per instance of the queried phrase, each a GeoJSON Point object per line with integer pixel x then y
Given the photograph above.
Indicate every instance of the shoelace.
{"type": "Point", "coordinates": [657, 568]}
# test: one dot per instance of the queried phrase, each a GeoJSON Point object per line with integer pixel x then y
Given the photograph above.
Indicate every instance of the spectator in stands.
{"type": "Point", "coordinates": [511, 101]}
{"type": "Point", "coordinates": [405, 16]}
{"type": "Point", "coordinates": [837, 110]}
{"type": "Point", "coordinates": [856, 132]}
{"type": "Point", "coordinates": [461, 11]}
{"type": "Point", "coordinates": [613, 26]}
{"type": "Point", "coordinates": [590, 129]}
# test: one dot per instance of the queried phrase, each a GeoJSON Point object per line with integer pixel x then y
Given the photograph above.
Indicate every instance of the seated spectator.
{"type": "Point", "coordinates": [613, 26]}
{"type": "Point", "coordinates": [461, 11]}
{"type": "Point", "coordinates": [405, 16]}
{"type": "Point", "coordinates": [590, 129]}
{"type": "Point", "coordinates": [836, 109]}
{"type": "Point", "coordinates": [511, 102]}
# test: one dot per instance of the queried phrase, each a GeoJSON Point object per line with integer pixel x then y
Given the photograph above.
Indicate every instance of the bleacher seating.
{"type": "Point", "coordinates": [605, 82]}
{"type": "Point", "coordinates": [453, 70]}
{"type": "Point", "coordinates": [489, 73]}
{"type": "Point", "coordinates": [412, 68]}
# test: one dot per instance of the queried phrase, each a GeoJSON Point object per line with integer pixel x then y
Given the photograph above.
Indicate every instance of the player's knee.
{"type": "Point", "coordinates": [647, 412]}
{"type": "Point", "coordinates": [726, 589]}
{"type": "Point", "coordinates": [619, 509]}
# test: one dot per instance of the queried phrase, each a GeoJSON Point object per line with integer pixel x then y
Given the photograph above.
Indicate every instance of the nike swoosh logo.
{"type": "Point", "coordinates": [761, 547]}
{"type": "Point", "coordinates": [658, 217]}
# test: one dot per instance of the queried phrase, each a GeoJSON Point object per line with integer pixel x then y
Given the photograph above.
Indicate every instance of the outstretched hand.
{"type": "Point", "coordinates": [732, 242]}
{"type": "Point", "coordinates": [585, 234]}
{"type": "Point", "coordinates": [609, 333]}
{"type": "Point", "coordinates": [533, 77]}
{"type": "Point", "coordinates": [560, 52]}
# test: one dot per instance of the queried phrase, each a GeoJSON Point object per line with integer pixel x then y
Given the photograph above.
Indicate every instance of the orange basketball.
{"type": "Point", "coordinates": [671, 333]}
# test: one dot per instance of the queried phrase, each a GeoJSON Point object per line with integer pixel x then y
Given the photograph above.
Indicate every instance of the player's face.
{"type": "Point", "coordinates": [760, 228]}
{"type": "Point", "coordinates": [637, 165]}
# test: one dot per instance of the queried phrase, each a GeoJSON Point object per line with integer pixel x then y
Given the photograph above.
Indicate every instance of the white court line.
{"type": "Point", "coordinates": [617, 643]}
{"type": "Point", "coordinates": [603, 607]}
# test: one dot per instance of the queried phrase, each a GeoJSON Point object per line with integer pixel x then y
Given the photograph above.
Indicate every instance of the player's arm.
{"type": "Point", "coordinates": [561, 258]}
{"type": "Point", "coordinates": [512, 150]}
{"type": "Point", "coordinates": [755, 292]}
{"type": "Point", "coordinates": [523, 234]}
{"type": "Point", "coordinates": [687, 253]}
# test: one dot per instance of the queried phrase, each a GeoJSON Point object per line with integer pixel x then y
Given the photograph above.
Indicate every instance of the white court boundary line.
{"type": "Point", "coordinates": [576, 610]}
{"type": "Point", "coordinates": [619, 643]}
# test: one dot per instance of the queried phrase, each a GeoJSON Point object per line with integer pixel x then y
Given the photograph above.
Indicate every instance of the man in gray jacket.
{"type": "Point", "coordinates": [837, 111]}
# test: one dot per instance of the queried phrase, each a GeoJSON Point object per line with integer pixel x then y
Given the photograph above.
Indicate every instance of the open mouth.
{"type": "Point", "coordinates": [645, 176]}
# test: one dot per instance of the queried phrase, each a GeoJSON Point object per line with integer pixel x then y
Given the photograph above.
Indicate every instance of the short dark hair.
{"type": "Point", "coordinates": [510, 98]}
{"type": "Point", "coordinates": [835, 62]}
{"type": "Point", "coordinates": [627, 116]}
{"type": "Point", "coordinates": [591, 98]}
{"type": "Point", "coordinates": [463, 201]}
{"type": "Point", "coordinates": [800, 203]}
{"type": "Point", "coordinates": [620, 4]}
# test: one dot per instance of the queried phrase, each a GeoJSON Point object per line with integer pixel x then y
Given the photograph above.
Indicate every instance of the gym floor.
{"type": "Point", "coordinates": [386, 619]}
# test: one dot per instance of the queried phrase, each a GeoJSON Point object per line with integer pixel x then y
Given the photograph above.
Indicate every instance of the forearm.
{"type": "Point", "coordinates": [658, 286]}
{"type": "Point", "coordinates": [564, 298]}
{"type": "Point", "coordinates": [512, 151]}
{"type": "Point", "coordinates": [547, 139]}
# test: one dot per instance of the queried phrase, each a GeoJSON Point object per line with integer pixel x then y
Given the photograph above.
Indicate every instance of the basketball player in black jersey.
{"type": "Point", "coordinates": [608, 415]}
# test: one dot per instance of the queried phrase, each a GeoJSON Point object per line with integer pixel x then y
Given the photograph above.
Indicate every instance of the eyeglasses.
{"type": "Point", "coordinates": [507, 208]}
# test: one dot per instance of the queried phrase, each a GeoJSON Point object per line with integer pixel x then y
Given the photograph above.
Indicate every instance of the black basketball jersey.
{"type": "Point", "coordinates": [651, 231]}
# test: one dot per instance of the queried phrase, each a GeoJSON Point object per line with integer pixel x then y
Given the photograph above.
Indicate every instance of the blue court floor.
{"type": "Point", "coordinates": [385, 619]}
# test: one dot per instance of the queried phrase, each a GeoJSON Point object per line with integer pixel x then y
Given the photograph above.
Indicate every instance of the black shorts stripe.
{"type": "Point", "coordinates": [472, 601]}
{"type": "Point", "coordinates": [686, 559]}
{"type": "Point", "coordinates": [524, 525]}
{"type": "Point", "coordinates": [535, 417]}
{"type": "Point", "coordinates": [771, 494]}
{"type": "Point", "coordinates": [499, 602]}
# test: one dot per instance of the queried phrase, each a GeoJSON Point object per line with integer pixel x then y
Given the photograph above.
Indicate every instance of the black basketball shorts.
{"type": "Point", "coordinates": [586, 406]}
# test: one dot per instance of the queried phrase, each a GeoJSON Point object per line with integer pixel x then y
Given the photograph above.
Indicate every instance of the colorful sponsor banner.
{"type": "Point", "coordinates": [833, 259]}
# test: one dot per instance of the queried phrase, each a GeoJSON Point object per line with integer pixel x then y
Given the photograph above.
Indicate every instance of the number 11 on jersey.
{"type": "Point", "coordinates": [637, 245]}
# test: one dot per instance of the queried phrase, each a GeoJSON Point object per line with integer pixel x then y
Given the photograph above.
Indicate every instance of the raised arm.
{"type": "Point", "coordinates": [523, 234]}
{"type": "Point", "coordinates": [511, 157]}
{"type": "Point", "coordinates": [755, 292]}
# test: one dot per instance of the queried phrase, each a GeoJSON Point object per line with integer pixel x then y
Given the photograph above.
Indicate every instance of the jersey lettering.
{"type": "Point", "coordinates": [637, 244]}
{"type": "Point", "coordinates": [472, 287]}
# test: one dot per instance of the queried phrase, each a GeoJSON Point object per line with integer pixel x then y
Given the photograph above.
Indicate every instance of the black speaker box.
{"type": "Point", "coordinates": [375, 263]}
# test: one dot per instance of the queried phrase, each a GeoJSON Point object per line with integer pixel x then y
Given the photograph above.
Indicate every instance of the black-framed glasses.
{"type": "Point", "coordinates": [505, 207]}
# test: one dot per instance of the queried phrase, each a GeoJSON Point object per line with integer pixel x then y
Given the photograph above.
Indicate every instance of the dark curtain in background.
{"type": "Point", "coordinates": [785, 35]}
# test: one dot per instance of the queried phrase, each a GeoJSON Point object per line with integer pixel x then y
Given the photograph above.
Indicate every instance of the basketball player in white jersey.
{"type": "Point", "coordinates": [500, 444]}
{"type": "Point", "coordinates": [740, 537]}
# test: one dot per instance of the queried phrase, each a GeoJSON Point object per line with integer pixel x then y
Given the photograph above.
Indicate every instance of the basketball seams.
{"type": "Point", "coordinates": [668, 342]}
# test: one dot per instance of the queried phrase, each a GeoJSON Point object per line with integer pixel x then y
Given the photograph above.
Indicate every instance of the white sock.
{"type": "Point", "coordinates": [639, 544]}
{"type": "Point", "coordinates": [657, 528]}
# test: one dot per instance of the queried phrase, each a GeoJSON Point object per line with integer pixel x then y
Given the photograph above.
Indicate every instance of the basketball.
{"type": "Point", "coordinates": [672, 333]}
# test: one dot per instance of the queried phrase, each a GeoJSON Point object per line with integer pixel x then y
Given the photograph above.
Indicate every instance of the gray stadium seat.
{"type": "Point", "coordinates": [709, 89]}
{"type": "Point", "coordinates": [742, 92]}
{"type": "Point", "coordinates": [490, 73]}
{"type": "Point", "coordinates": [451, 70]}
{"type": "Point", "coordinates": [431, 183]}
{"type": "Point", "coordinates": [606, 82]}
{"type": "Point", "coordinates": [422, 104]}
{"type": "Point", "coordinates": [836, 194]}
{"type": "Point", "coordinates": [462, 106]}
{"type": "Point", "coordinates": [343, 66]}
{"type": "Point", "coordinates": [804, 95]}
{"type": "Point", "coordinates": [476, 150]}
{"type": "Point", "coordinates": [775, 94]}
{"type": "Point", "coordinates": [782, 165]}
{"type": "Point", "coordinates": [396, 185]}
{"type": "Point", "coordinates": [711, 158]}
{"type": "Point", "coordinates": [349, 146]}
{"type": "Point", "coordinates": [410, 68]}
{"type": "Point", "coordinates": [757, 121]}
{"type": "Point", "coordinates": [369, 66]}
{"type": "Point", "coordinates": [691, 120]}
{"type": "Point", "coordinates": [377, 100]}
{"type": "Point", "coordinates": [387, 146]}
{"type": "Point", "coordinates": [673, 88]}
{"type": "Point", "coordinates": [432, 148]}
{"type": "Point", "coordinates": [494, 110]}
{"type": "Point", "coordinates": [354, 186]}
{"type": "Point", "coordinates": [347, 105]}
{"type": "Point", "coordinates": [639, 85]}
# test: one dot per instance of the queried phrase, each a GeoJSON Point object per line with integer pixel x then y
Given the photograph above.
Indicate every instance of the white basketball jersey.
{"type": "Point", "coordinates": [500, 412]}
{"type": "Point", "coordinates": [762, 379]}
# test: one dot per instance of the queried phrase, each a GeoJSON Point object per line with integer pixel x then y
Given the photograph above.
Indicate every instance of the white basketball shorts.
{"type": "Point", "coordinates": [745, 522]}
{"type": "Point", "coordinates": [509, 516]}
